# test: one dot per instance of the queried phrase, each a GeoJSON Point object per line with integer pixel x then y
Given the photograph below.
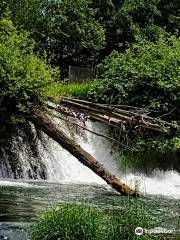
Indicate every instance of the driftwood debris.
{"type": "Point", "coordinates": [45, 124]}
{"type": "Point", "coordinates": [114, 116]}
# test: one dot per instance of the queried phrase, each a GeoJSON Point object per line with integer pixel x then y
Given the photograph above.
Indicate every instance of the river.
{"type": "Point", "coordinates": [68, 181]}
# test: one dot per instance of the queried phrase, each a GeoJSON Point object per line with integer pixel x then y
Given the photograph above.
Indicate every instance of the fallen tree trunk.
{"type": "Point", "coordinates": [44, 123]}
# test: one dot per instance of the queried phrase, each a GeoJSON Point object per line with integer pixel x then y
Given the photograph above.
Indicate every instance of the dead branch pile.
{"type": "Point", "coordinates": [115, 116]}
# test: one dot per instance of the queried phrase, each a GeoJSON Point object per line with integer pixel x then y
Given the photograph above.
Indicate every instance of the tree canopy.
{"type": "Point", "coordinates": [22, 73]}
{"type": "Point", "coordinates": [84, 32]}
{"type": "Point", "coordinates": [133, 43]}
{"type": "Point", "coordinates": [67, 30]}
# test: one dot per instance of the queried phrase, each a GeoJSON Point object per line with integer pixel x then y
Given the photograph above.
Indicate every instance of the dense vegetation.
{"type": "Point", "coordinates": [76, 90]}
{"type": "Point", "coordinates": [83, 32]}
{"type": "Point", "coordinates": [22, 73]}
{"type": "Point", "coordinates": [147, 75]}
{"type": "Point", "coordinates": [136, 44]}
{"type": "Point", "coordinates": [73, 221]}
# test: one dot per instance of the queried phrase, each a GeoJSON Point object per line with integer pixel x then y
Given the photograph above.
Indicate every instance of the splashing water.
{"type": "Point", "coordinates": [61, 166]}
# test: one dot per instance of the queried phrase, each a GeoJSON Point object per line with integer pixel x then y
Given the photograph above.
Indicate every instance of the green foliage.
{"type": "Point", "coordinates": [170, 16]}
{"type": "Point", "coordinates": [123, 224]}
{"type": "Point", "coordinates": [125, 20]}
{"type": "Point", "coordinates": [72, 221]}
{"type": "Point", "coordinates": [147, 74]}
{"type": "Point", "coordinates": [67, 222]}
{"type": "Point", "coordinates": [155, 145]}
{"type": "Point", "coordinates": [57, 90]}
{"type": "Point", "coordinates": [154, 152]}
{"type": "Point", "coordinates": [66, 30]}
{"type": "Point", "coordinates": [73, 36]}
{"type": "Point", "coordinates": [22, 73]}
{"type": "Point", "coordinates": [22, 13]}
{"type": "Point", "coordinates": [83, 32]}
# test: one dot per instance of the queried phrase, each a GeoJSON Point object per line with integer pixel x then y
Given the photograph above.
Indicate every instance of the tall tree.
{"type": "Point", "coordinates": [170, 15]}
{"type": "Point", "coordinates": [84, 32]}
{"type": "Point", "coordinates": [73, 35]}
{"type": "Point", "coordinates": [66, 30]}
{"type": "Point", "coordinates": [125, 19]}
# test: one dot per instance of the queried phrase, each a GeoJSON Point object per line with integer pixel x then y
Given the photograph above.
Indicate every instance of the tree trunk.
{"type": "Point", "coordinates": [44, 123]}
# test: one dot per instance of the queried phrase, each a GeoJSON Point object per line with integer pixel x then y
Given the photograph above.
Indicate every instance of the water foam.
{"type": "Point", "coordinates": [67, 168]}
{"type": "Point", "coordinates": [62, 167]}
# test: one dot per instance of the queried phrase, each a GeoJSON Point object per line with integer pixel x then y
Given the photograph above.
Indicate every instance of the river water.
{"type": "Point", "coordinates": [68, 181]}
{"type": "Point", "coordinates": [21, 201]}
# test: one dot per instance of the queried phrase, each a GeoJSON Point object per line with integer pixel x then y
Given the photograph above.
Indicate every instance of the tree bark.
{"type": "Point", "coordinates": [45, 124]}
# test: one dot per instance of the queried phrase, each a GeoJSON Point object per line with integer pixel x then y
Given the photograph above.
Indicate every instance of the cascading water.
{"type": "Point", "coordinates": [31, 184]}
{"type": "Point", "coordinates": [57, 165]}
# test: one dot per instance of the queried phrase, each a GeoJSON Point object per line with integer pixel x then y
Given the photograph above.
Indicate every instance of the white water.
{"type": "Point", "coordinates": [63, 167]}
{"type": "Point", "coordinates": [159, 183]}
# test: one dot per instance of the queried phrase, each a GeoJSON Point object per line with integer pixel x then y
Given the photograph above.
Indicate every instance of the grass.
{"type": "Point", "coordinates": [68, 222]}
{"type": "Point", "coordinates": [77, 90]}
{"type": "Point", "coordinates": [76, 222]}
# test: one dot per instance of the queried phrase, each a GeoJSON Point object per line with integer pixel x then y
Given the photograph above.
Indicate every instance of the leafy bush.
{"type": "Point", "coordinates": [22, 73]}
{"type": "Point", "coordinates": [67, 30]}
{"type": "Point", "coordinates": [155, 152]}
{"type": "Point", "coordinates": [147, 74]}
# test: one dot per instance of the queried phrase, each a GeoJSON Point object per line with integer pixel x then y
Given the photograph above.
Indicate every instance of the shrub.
{"type": "Point", "coordinates": [147, 74]}
{"type": "Point", "coordinates": [121, 225]}
{"type": "Point", "coordinates": [22, 73]}
{"type": "Point", "coordinates": [156, 152]}
{"type": "Point", "coordinates": [69, 221]}
{"type": "Point", "coordinates": [75, 222]}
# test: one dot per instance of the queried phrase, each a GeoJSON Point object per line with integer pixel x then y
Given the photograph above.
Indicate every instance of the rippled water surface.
{"type": "Point", "coordinates": [21, 201]}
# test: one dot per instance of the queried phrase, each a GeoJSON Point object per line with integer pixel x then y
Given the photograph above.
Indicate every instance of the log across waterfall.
{"type": "Point", "coordinates": [44, 123]}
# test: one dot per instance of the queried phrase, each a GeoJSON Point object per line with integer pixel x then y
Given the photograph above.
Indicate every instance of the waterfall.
{"type": "Point", "coordinates": [57, 165]}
